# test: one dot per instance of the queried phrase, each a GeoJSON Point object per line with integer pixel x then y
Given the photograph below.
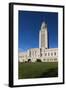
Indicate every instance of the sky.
{"type": "Point", "coordinates": [29, 25]}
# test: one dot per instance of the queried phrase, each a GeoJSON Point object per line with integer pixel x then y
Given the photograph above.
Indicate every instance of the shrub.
{"type": "Point", "coordinates": [38, 60]}
{"type": "Point", "coordinates": [25, 61]}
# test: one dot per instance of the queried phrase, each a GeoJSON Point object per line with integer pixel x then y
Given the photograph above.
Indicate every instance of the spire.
{"type": "Point", "coordinates": [43, 25]}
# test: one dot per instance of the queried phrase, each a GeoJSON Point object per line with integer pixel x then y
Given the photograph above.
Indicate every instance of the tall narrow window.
{"type": "Point", "coordinates": [48, 54]}
{"type": "Point", "coordinates": [45, 54]}
{"type": "Point", "coordinates": [51, 54]}
{"type": "Point", "coordinates": [29, 53]}
{"type": "Point", "coordinates": [54, 53]}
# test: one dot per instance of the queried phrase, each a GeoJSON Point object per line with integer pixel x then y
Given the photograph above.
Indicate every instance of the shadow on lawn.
{"type": "Point", "coordinates": [49, 73]}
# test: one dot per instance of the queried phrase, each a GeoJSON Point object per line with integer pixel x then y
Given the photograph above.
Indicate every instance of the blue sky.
{"type": "Point", "coordinates": [29, 26]}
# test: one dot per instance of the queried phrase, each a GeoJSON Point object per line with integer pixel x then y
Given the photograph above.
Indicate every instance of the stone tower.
{"type": "Point", "coordinates": [43, 36]}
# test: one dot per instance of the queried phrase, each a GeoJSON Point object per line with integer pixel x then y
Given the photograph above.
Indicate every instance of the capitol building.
{"type": "Point", "coordinates": [43, 53]}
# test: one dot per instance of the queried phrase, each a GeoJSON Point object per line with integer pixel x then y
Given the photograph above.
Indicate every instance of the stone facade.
{"type": "Point", "coordinates": [43, 53]}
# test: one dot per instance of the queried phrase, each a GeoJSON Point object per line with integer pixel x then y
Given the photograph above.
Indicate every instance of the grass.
{"type": "Point", "coordinates": [37, 70]}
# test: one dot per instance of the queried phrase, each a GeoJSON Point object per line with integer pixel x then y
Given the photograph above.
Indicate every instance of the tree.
{"type": "Point", "coordinates": [29, 60]}
{"type": "Point", "coordinates": [38, 60]}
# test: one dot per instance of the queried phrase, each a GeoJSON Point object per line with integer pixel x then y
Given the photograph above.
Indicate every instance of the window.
{"type": "Point", "coordinates": [54, 53]}
{"type": "Point", "coordinates": [35, 52]}
{"type": "Point", "coordinates": [51, 54]}
{"type": "Point", "coordinates": [25, 55]}
{"type": "Point", "coordinates": [41, 54]}
{"type": "Point", "coordinates": [45, 54]}
{"type": "Point", "coordinates": [29, 53]}
{"type": "Point", "coordinates": [50, 59]}
{"type": "Point", "coordinates": [38, 55]}
{"type": "Point", "coordinates": [48, 54]}
{"type": "Point", "coordinates": [40, 50]}
{"type": "Point", "coordinates": [44, 59]}
{"type": "Point", "coordinates": [55, 59]}
{"type": "Point", "coordinates": [47, 60]}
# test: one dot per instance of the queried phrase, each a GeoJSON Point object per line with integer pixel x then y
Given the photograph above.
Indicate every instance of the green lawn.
{"type": "Point", "coordinates": [37, 70]}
